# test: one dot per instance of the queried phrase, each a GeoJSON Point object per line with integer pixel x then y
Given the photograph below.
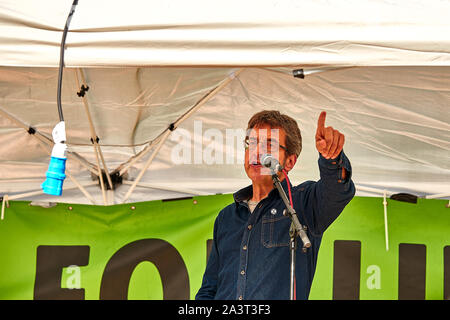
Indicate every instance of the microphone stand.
{"type": "Point", "coordinates": [295, 230]}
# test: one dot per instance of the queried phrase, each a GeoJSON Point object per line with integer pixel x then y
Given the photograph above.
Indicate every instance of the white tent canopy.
{"type": "Point", "coordinates": [381, 70]}
{"type": "Point", "coordinates": [231, 33]}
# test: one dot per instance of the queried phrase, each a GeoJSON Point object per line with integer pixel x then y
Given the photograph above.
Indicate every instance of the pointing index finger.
{"type": "Point", "coordinates": [321, 123]}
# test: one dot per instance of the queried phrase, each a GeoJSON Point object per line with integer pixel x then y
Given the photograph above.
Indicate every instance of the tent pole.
{"type": "Point", "coordinates": [102, 184]}
{"type": "Point", "coordinates": [147, 164]}
{"type": "Point", "coordinates": [125, 166]}
{"type": "Point", "coordinates": [91, 126]}
{"type": "Point", "coordinates": [82, 189]}
{"type": "Point", "coordinates": [137, 157]}
{"type": "Point", "coordinates": [39, 137]}
{"type": "Point", "coordinates": [152, 186]}
{"type": "Point", "coordinates": [206, 98]}
{"type": "Point", "coordinates": [374, 190]}
{"type": "Point", "coordinates": [6, 197]}
{"type": "Point", "coordinates": [5, 200]}
{"type": "Point", "coordinates": [385, 220]}
{"type": "Point", "coordinates": [94, 142]}
{"type": "Point", "coordinates": [39, 192]}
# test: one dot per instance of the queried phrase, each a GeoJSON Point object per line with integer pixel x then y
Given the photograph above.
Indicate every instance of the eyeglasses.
{"type": "Point", "coordinates": [268, 145]}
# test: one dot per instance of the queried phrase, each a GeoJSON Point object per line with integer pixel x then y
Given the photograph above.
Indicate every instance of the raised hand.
{"type": "Point", "coordinates": [329, 142]}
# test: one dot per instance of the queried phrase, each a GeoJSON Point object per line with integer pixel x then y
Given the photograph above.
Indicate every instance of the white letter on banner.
{"type": "Point", "coordinates": [374, 280]}
{"type": "Point", "coordinates": [74, 281]}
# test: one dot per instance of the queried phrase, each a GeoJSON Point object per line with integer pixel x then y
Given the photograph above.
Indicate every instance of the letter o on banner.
{"type": "Point", "coordinates": [163, 255]}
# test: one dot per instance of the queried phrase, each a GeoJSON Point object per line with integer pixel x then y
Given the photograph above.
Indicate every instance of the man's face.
{"type": "Point", "coordinates": [261, 140]}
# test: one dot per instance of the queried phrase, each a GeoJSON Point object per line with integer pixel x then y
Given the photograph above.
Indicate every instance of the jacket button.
{"type": "Point", "coordinates": [244, 247]}
{"type": "Point", "coordinates": [242, 272]}
{"type": "Point", "coordinates": [249, 227]}
{"type": "Point", "coordinates": [240, 298]}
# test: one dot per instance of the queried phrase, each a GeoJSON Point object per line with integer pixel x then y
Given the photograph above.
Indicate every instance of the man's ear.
{"type": "Point", "coordinates": [290, 162]}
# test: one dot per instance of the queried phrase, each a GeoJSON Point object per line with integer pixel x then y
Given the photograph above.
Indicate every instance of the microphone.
{"type": "Point", "coordinates": [269, 161]}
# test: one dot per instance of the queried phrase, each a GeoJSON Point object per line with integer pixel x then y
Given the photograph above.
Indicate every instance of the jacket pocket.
{"type": "Point", "coordinates": [275, 231]}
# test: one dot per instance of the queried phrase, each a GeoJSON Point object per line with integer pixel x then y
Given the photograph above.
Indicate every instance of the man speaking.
{"type": "Point", "coordinates": [250, 255]}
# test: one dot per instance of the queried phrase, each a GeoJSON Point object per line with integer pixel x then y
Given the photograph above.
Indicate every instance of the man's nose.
{"type": "Point", "coordinates": [256, 151]}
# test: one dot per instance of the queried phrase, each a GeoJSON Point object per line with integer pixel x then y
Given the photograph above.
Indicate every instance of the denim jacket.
{"type": "Point", "coordinates": [250, 255]}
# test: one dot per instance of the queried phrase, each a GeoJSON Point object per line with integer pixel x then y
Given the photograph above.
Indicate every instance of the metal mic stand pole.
{"type": "Point", "coordinates": [292, 248]}
{"type": "Point", "coordinates": [295, 230]}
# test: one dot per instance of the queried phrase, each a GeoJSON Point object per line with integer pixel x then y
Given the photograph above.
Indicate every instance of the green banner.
{"type": "Point", "coordinates": [159, 249]}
